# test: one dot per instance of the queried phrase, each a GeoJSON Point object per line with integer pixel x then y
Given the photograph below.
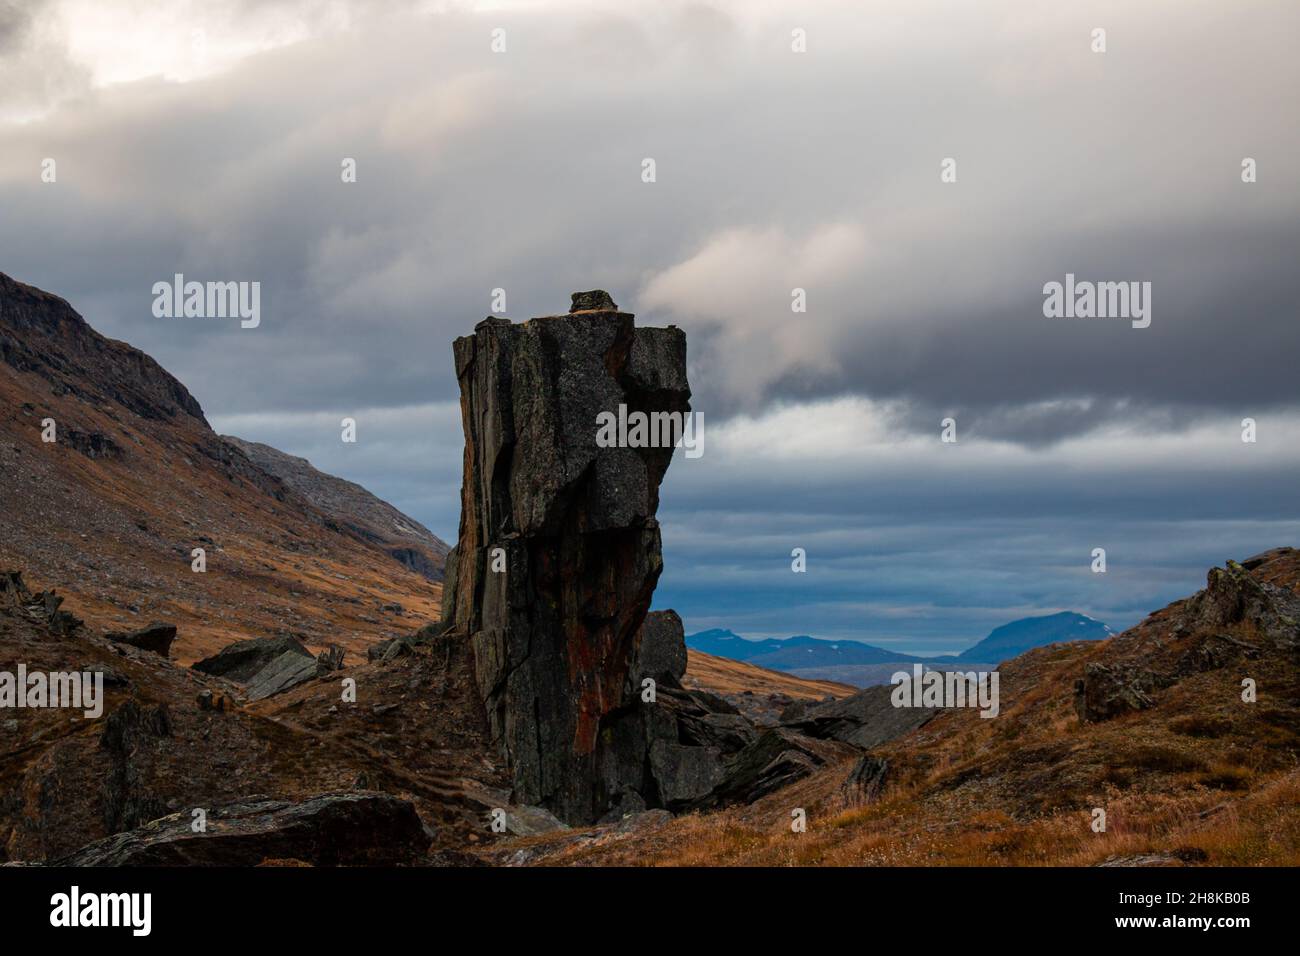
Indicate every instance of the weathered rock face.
{"type": "Point", "coordinates": [1108, 691]}
{"type": "Point", "coordinates": [867, 719]}
{"type": "Point", "coordinates": [555, 614]}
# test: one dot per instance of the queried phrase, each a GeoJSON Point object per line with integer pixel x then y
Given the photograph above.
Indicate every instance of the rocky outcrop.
{"type": "Point", "coordinates": [353, 828]}
{"type": "Point", "coordinates": [867, 719]}
{"type": "Point", "coordinates": [1106, 691]}
{"type": "Point", "coordinates": [776, 759]}
{"type": "Point", "coordinates": [43, 607]}
{"type": "Point", "coordinates": [559, 551]}
{"type": "Point", "coordinates": [1233, 595]}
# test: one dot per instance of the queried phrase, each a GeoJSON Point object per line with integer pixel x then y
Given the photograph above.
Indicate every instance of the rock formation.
{"type": "Point", "coordinates": [559, 550]}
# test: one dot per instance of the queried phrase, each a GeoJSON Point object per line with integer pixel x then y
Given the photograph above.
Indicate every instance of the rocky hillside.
{"type": "Point", "coordinates": [352, 507]}
{"type": "Point", "coordinates": [111, 511]}
{"type": "Point", "coordinates": [1149, 727]}
{"type": "Point", "coordinates": [402, 775]}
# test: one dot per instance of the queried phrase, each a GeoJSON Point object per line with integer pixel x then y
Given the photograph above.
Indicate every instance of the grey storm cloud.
{"type": "Point", "coordinates": [775, 171]}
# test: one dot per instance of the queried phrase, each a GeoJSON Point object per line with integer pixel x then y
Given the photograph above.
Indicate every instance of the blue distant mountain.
{"type": "Point", "coordinates": [1012, 640]}
{"type": "Point", "coordinates": [855, 662]}
{"type": "Point", "coordinates": [801, 651]}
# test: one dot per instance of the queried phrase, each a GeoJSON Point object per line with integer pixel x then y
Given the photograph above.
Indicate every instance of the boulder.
{"type": "Point", "coordinates": [1105, 691]}
{"type": "Point", "coordinates": [775, 760]}
{"type": "Point", "coordinates": [866, 719]}
{"type": "Point", "coordinates": [530, 821]}
{"type": "Point", "coordinates": [132, 734]}
{"type": "Point", "coordinates": [242, 661]}
{"type": "Point", "coordinates": [347, 828]}
{"type": "Point", "coordinates": [597, 300]}
{"type": "Point", "coordinates": [661, 648]}
{"type": "Point", "coordinates": [157, 637]}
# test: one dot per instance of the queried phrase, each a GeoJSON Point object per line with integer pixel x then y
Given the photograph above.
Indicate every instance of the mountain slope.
{"type": "Point", "coordinates": [347, 503]}
{"type": "Point", "coordinates": [112, 510]}
{"type": "Point", "coordinates": [721, 676]}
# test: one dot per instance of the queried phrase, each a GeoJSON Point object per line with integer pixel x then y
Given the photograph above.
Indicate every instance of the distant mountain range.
{"type": "Point", "coordinates": [862, 665]}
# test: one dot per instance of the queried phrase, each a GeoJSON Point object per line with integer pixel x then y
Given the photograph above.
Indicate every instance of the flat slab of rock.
{"type": "Point", "coordinates": [866, 719]}
{"type": "Point", "coordinates": [243, 660]}
{"type": "Point", "coordinates": [776, 759]}
{"type": "Point", "coordinates": [351, 828]}
{"type": "Point", "coordinates": [286, 671]}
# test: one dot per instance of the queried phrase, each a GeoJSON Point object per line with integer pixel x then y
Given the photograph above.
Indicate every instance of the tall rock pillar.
{"type": "Point", "coordinates": [559, 549]}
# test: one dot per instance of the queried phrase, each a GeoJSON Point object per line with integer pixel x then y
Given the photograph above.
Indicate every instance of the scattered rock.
{"type": "Point", "coordinates": [42, 607]}
{"type": "Point", "coordinates": [217, 702]}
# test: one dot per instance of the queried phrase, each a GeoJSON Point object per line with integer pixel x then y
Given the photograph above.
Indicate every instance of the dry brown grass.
{"type": "Point", "coordinates": [722, 676]}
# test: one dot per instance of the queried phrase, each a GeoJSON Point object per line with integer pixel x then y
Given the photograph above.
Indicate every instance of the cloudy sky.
{"type": "Point", "coordinates": [207, 138]}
